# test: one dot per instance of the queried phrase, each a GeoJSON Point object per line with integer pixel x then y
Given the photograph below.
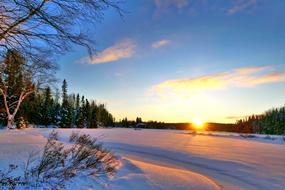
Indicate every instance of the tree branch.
{"type": "Point", "coordinates": [21, 21]}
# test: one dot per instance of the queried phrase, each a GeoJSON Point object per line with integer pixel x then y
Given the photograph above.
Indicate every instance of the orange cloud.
{"type": "Point", "coordinates": [242, 77]}
{"type": "Point", "coordinates": [269, 78]}
{"type": "Point", "coordinates": [206, 82]}
{"type": "Point", "coordinates": [250, 70]}
{"type": "Point", "coordinates": [120, 50]}
{"type": "Point", "coordinates": [160, 43]}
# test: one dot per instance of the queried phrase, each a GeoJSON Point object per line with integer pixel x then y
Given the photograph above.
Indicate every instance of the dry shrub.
{"type": "Point", "coordinates": [58, 163]}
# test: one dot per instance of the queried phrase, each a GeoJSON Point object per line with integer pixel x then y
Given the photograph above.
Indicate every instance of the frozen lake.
{"type": "Point", "coordinates": [169, 159]}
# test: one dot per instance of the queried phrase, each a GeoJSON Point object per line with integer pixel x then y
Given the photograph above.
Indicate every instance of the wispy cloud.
{"type": "Point", "coordinates": [241, 5]}
{"type": "Point", "coordinates": [163, 4]}
{"type": "Point", "coordinates": [237, 117]}
{"type": "Point", "coordinates": [118, 74]}
{"type": "Point", "coordinates": [120, 50]}
{"type": "Point", "coordinates": [242, 77]}
{"type": "Point", "coordinates": [237, 5]}
{"type": "Point", "coordinates": [160, 43]}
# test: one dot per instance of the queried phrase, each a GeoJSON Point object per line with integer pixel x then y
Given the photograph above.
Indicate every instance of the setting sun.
{"type": "Point", "coordinates": [198, 122]}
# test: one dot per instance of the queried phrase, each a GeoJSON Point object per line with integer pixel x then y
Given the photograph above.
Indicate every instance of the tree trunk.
{"type": "Point", "coordinates": [11, 117]}
{"type": "Point", "coordinates": [10, 124]}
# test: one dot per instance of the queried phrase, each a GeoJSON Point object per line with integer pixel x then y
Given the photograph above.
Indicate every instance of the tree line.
{"type": "Point", "coordinates": [46, 108]}
{"type": "Point", "coordinates": [270, 122]}
{"type": "Point", "coordinates": [26, 98]}
{"type": "Point", "coordinates": [139, 123]}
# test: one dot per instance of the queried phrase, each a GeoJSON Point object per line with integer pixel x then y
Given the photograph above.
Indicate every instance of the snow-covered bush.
{"type": "Point", "coordinates": [244, 135]}
{"type": "Point", "coordinates": [268, 137]}
{"type": "Point", "coordinates": [8, 180]}
{"type": "Point", "coordinates": [58, 164]}
{"type": "Point", "coordinates": [22, 123]}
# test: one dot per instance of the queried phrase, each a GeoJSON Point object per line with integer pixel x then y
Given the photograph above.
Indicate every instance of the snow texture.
{"type": "Point", "coordinates": [167, 159]}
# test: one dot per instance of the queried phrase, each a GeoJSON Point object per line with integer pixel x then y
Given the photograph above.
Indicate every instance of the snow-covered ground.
{"type": "Point", "coordinates": [168, 159]}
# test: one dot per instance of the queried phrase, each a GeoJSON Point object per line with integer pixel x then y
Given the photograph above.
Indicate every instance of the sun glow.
{"type": "Point", "coordinates": [198, 123]}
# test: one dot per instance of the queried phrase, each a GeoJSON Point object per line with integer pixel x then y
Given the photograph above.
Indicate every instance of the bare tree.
{"type": "Point", "coordinates": [37, 29]}
{"type": "Point", "coordinates": [36, 26]}
{"type": "Point", "coordinates": [20, 78]}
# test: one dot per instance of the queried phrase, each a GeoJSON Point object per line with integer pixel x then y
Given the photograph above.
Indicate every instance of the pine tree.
{"type": "Point", "coordinates": [77, 110]}
{"type": "Point", "coordinates": [125, 123]}
{"type": "Point", "coordinates": [138, 120]}
{"type": "Point", "coordinates": [93, 117]}
{"type": "Point", "coordinates": [77, 102]}
{"type": "Point", "coordinates": [87, 113]}
{"type": "Point", "coordinates": [81, 118]}
{"type": "Point", "coordinates": [66, 109]}
{"type": "Point", "coordinates": [47, 107]}
{"type": "Point", "coordinates": [72, 107]}
{"type": "Point", "coordinates": [64, 94]}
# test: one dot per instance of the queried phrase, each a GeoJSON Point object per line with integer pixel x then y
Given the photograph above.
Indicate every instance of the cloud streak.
{"type": "Point", "coordinates": [164, 4]}
{"type": "Point", "coordinates": [121, 50]}
{"type": "Point", "coordinates": [242, 77]}
{"type": "Point", "coordinates": [160, 43]}
{"type": "Point", "coordinates": [241, 5]}
{"type": "Point", "coordinates": [237, 5]}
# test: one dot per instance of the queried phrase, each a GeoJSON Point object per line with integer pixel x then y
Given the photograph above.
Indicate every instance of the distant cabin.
{"type": "Point", "coordinates": [140, 125]}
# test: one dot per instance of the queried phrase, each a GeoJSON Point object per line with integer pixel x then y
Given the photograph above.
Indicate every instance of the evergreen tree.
{"type": "Point", "coordinates": [64, 94]}
{"type": "Point", "coordinates": [87, 113]}
{"type": "Point", "coordinates": [81, 117]}
{"type": "Point", "coordinates": [93, 117]}
{"type": "Point", "coordinates": [125, 123]}
{"type": "Point", "coordinates": [77, 110]}
{"type": "Point", "coordinates": [77, 102]}
{"type": "Point", "coordinates": [138, 120]}
{"type": "Point", "coordinates": [47, 108]}
{"type": "Point", "coordinates": [66, 109]}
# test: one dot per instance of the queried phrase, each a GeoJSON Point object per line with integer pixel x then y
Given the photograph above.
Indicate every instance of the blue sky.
{"type": "Point", "coordinates": [175, 60]}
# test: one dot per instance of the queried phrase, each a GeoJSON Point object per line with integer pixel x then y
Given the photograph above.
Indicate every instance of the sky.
{"type": "Point", "coordinates": [176, 60]}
